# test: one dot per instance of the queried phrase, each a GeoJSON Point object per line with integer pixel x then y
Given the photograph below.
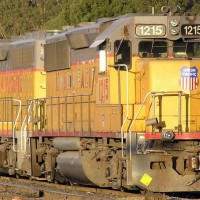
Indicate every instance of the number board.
{"type": "Point", "coordinates": [190, 30]}
{"type": "Point", "coordinates": [145, 30]}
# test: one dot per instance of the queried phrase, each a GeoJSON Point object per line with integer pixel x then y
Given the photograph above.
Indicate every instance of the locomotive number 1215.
{"type": "Point", "coordinates": [190, 30]}
{"type": "Point", "coordinates": [150, 30]}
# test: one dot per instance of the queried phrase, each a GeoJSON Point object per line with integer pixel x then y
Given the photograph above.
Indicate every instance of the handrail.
{"type": "Point", "coordinates": [90, 92]}
{"type": "Point", "coordinates": [180, 93]}
{"type": "Point", "coordinates": [65, 97]}
{"type": "Point", "coordinates": [144, 100]}
{"type": "Point", "coordinates": [13, 131]}
{"type": "Point", "coordinates": [27, 119]}
{"type": "Point", "coordinates": [127, 104]}
{"type": "Point", "coordinates": [138, 112]}
{"type": "Point", "coordinates": [23, 126]}
{"type": "Point", "coordinates": [16, 119]}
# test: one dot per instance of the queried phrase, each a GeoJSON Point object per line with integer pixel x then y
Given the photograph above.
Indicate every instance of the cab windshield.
{"type": "Point", "coordinates": [153, 49]}
{"type": "Point", "coordinates": [186, 49]}
{"type": "Point", "coordinates": [160, 49]}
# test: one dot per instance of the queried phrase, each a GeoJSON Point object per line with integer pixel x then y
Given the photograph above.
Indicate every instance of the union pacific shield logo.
{"type": "Point", "coordinates": [189, 78]}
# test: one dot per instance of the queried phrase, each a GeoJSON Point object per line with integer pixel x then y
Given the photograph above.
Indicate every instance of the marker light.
{"type": "Point", "coordinates": [174, 22]}
{"type": "Point", "coordinates": [174, 31]}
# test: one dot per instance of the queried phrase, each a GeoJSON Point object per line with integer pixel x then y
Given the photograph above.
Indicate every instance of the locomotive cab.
{"type": "Point", "coordinates": [158, 91]}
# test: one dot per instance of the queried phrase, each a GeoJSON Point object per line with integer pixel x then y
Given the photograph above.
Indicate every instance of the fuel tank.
{"type": "Point", "coordinates": [70, 166]}
{"type": "Point", "coordinates": [87, 167]}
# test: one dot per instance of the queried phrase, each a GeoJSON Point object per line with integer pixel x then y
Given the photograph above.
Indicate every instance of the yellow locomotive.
{"type": "Point", "coordinates": [121, 108]}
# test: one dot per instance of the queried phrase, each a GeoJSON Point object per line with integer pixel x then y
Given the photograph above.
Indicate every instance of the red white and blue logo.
{"type": "Point", "coordinates": [189, 78]}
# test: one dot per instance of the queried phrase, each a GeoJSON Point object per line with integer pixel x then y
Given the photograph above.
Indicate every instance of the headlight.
{"type": "Point", "coordinates": [174, 31]}
{"type": "Point", "coordinates": [174, 22]}
{"type": "Point", "coordinates": [168, 135]}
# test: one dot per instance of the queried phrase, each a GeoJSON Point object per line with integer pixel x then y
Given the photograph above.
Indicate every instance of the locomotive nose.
{"type": "Point", "coordinates": [176, 75]}
{"type": "Point", "coordinates": [173, 78]}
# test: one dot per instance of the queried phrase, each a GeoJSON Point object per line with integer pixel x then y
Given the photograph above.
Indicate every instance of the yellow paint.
{"type": "Point", "coordinates": [39, 85]}
{"type": "Point", "coordinates": [114, 83]}
{"type": "Point", "coordinates": [23, 86]}
{"type": "Point", "coordinates": [6, 126]}
{"type": "Point", "coordinates": [163, 76]}
{"type": "Point", "coordinates": [146, 179]}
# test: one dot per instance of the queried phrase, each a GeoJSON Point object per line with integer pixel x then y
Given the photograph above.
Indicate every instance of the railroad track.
{"type": "Point", "coordinates": [10, 188]}
{"type": "Point", "coordinates": [44, 190]}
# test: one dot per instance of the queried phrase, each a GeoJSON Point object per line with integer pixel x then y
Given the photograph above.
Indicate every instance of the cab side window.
{"type": "Point", "coordinates": [122, 50]}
